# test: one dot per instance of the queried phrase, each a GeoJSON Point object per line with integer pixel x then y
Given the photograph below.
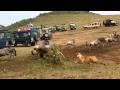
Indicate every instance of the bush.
{"type": "Point", "coordinates": [53, 56]}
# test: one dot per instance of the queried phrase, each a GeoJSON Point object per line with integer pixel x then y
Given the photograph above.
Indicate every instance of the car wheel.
{"type": "Point", "coordinates": [37, 38]}
{"type": "Point", "coordinates": [12, 40]}
{"type": "Point", "coordinates": [32, 44]}
{"type": "Point", "coordinates": [15, 45]}
{"type": "Point", "coordinates": [29, 44]}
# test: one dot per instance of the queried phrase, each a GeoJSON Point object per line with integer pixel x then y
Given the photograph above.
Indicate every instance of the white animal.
{"type": "Point", "coordinates": [94, 43]}
{"type": "Point", "coordinates": [112, 37]}
{"type": "Point", "coordinates": [71, 43]}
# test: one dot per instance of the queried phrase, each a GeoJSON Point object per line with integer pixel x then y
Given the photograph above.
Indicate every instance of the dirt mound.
{"type": "Point", "coordinates": [98, 51]}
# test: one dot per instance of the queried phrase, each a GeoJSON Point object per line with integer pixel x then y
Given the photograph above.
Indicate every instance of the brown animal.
{"type": "Point", "coordinates": [88, 59]}
{"type": "Point", "coordinates": [8, 51]}
{"type": "Point", "coordinates": [42, 49]}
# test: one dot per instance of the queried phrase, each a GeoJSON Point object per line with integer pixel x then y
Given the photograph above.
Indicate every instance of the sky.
{"type": "Point", "coordinates": [10, 17]}
{"type": "Point", "coordinates": [107, 12]}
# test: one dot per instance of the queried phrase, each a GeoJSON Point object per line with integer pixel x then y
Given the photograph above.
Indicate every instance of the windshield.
{"type": "Point", "coordinates": [8, 35]}
{"type": "Point", "coordinates": [50, 31]}
{"type": "Point", "coordinates": [2, 35]}
{"type": "Point", "coordinates": [58, 26]}
{"type": "Point", "coordinates": [34, 33]}
{"type": "Point", "coordinates": [25, 34]}
{"type": "Point", "coordinates": [44, 31]}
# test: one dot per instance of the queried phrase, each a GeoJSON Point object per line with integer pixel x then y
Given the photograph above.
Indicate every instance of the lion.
{"type": "Point", "coordinates": [88, 59]}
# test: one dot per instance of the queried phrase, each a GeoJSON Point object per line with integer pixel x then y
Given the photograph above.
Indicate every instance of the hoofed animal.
{"type": "Point", "coordinates": [7, 51]}
{"type": "Point", "coordinates": [93, 43]}
{"type": "Point", "coordinates": [112, 37]}
{"type": "Point", "coordinates": [71, 43]}
{"type": "Point", "coordinates": [43, 49]}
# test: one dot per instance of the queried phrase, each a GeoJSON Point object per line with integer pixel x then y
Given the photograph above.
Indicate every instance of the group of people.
{"type": "Point", "coordinates": [28, 27]}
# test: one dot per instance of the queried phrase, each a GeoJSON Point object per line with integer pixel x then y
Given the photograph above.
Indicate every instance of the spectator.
{"type": "Point", "coordinates": [21, 29]}
{"type": "Point", "coordinates": [30, 25]}
{"type": "Point", "coordinates": [27, 27]}
{"type": "Point", "coordinates": [18, 29]}
{"type": "Point", "coordinates": [41, 26]}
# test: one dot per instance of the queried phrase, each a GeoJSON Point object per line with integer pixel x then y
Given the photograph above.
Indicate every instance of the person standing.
{"type": "Point", "coordinates": [30, 25]}
{"type": "Point", "coordinates": [27, 27]}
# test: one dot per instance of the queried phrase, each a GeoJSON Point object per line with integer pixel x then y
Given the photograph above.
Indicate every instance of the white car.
{"type": "Point", "coordinates": [92, 25]}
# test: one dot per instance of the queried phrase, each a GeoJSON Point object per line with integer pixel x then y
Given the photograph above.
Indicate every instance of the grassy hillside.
{"type": "Point", "coordinates": [63, 17]}
{"type": "Point", "coordinates": [53, 18]}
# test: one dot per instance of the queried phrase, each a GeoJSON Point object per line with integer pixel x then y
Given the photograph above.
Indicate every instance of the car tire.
{"type": "Point", "coordinates": [37, 38]}
{"type": "Point", "coordinates": [12, 40]}
{"type": "Point", "coordinates": [32, 44]}
{"type": "Point", "coordinates": [29, 44]}
{"type": "Point", "coordinates": [15, 45]}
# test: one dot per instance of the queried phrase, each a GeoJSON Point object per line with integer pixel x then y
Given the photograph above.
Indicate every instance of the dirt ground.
{"type": "Point", "coordinates": [81, 37]}
{"type": "Point", "coordinates": [24, 61]}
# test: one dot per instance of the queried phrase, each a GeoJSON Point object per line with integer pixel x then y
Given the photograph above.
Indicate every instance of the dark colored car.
{"type": "Point", "coordinates": [46, 34]}
{"type": "Point", "coordinates": [6, 39]}
{"type": "Point", "coordinates": [109, 22]}
{"type": "Point", "coordinates": [72, 26]}
{"type": "Point", "coordinates": [53, 29]}
{"type": "Point", "coordinates": [27, 38]}
{"type": "Point", "coordinates": [60, 27]}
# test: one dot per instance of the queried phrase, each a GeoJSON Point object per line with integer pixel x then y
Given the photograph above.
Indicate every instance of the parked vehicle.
{"type": "Point", "coordinates": [92, 25]}
{"type": "Point", "coordinates": [53, 29]}
{"type": "Point", "coordinates": [60, 27]}
{"type": "Point", "coordinates": [72, 26]}
{"type": "Point", "coordinates": [46, 34]}
{"type": "Point", "coordinates": [27, 38]}
{"type": "Point", "coordinates": [109, 22]}
{"type": "Point", "coordinates": [6, 39]}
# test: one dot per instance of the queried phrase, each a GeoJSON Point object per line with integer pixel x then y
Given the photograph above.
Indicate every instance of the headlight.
{"type": "Point", "coordinates": [31, 39]}
{"type": "Point", "coordinates": [40, 35]}
{"type": "Point", "coordinates": [46, 35]}
{"type": "Point", "coordinates": [6, 43]}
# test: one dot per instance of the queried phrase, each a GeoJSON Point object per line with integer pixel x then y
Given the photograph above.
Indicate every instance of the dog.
{"type": "Point", "coordinates": [88, 59]}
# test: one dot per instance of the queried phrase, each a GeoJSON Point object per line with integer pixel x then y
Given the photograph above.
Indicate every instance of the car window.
{"type": "Point", "coordinates": [23, 34]}
{"type": "Point", "coordinates": [50, 32]}
{"type": "Point", "coordinates": [8, 35]}
{"type": "Point", "coordinates": [44, 31]}
{"type": "Point", "coordinates": [15, 35]}
{"type": "Point", "coordinates": [2, 35]}
{"type": "Point", "coordinates": [34, 33]}
{"type": "Point", "coordinates": [28, 33]}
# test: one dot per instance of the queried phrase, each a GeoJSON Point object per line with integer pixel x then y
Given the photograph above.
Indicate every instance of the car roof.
{"type": "Point", "coordinates": [4, 31]}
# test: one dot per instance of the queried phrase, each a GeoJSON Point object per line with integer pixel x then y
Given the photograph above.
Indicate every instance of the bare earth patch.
{"type": "Point", "coordinates": [26, 66]}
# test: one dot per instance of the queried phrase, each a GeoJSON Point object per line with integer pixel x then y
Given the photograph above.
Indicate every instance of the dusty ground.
{"type": "Point", "coordinates": [25, 66]}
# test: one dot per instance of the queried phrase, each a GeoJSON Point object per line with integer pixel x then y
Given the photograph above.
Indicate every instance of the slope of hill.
{"type": "Point", "coordinates": [1, 27]}
{"type": "Point", "coordinates": [53, 18]}
{"type": "Point", "coordinates": [63, 17]}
